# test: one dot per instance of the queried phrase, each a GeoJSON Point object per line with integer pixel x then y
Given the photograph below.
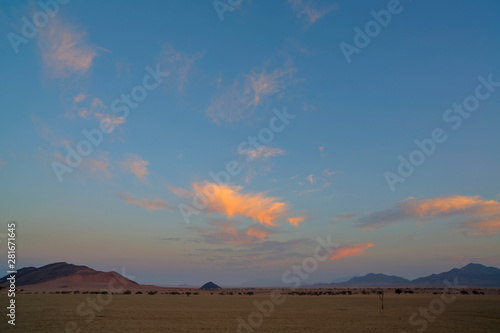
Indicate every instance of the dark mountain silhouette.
{"type": "Point", "coordinates": [210, 285]}
{"type": "Point", "coordinates": [472, 275]}
{"type": "Point", "coordinates": [64, 274]}
{"type": "Point", "coordinates": [376, 280]}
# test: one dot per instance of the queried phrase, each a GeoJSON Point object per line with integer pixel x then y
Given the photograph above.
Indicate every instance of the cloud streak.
{"type": "Point", "coordinates": [263, 152]}
{"type": "Point", "coordinates": [148, 204]}
{"type": "Point", "coordinates": [349, 249]}
{"type": "Point", "coordinates": [436, 208]}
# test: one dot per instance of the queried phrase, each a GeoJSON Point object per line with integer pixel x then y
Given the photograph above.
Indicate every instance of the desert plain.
{"type": "Point", "coordinates": [209, 311]}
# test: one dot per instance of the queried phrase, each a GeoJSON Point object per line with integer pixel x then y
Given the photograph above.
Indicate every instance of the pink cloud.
{"type": "Point", "coordinates": [308, 10]}
{"type": "Point", "coordinates": [137, 166]}
{"type": "Point", "coordinates": [350, 249]}
{"type": "Point", "coordinates": [65, 50]}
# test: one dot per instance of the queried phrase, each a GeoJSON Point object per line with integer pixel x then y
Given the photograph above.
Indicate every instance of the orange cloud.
{"type": "Point", "coordinates": [429, 210]}
{"type": "Point", "coordinates": [296, 220]}
{"type": "Point", "coordinates": [227, 200]}
{"type": "Point", "coordinates": [451, 204]}
{"type": "Point", "coordinates": [137, 166]}
{"type": "Point", "coordinates": [149, 204]}
{"type": "Point", "coordinates": [348, 250]}
{"type": "Point", "coordinates": [257, 233]}
{"type": "Point", "coordinates": [311, 178]}
{"type": "Point", "coordinates": [64, 50]}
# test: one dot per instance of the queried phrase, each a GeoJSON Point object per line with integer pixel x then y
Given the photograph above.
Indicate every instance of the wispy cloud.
{"type": "Point", "coordinates": [224, 232]}
{"type": "Point", "coordinates": [98, 166]}
{"type": "Point", "coordinates": [260, 234]}
{"type": "Point", "coordinates": [240, 99]}
{"type": "Point", "coordinates": [88, 107]}
{"type": "Point", "coordinates": [263, 152]}
{"type": "Point", "coordinates": [47, 133]}
{"type": "Point", "coordinates": [65, 50]}
{"type": "Point", "coordinates": [136, 165]}
{"type": "Point", "coordinates": [437, 208]}
{"type": "Point", "coordinates": [349, 249]}
{"type": "Point", "coordinates": [327, 172]}
{"type": "Point", "coordinates": [149, 204]}
{"type": "Point", "coordinates": [2, 163]}
{"type": "Point", "coordinates": [309, 10]}
{"type": "Point", "coordinates": [484, 226]}
{"type": "Point", "coordinates": [179, 65]}
{"type": "Point", "coordinates": [315, 189]}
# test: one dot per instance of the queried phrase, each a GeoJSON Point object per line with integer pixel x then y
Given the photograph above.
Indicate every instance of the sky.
{"type": "Point", "coordinates": [195, 141]}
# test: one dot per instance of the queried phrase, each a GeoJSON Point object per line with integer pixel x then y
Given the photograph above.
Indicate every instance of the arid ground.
{"type": "Point", "coordinates": [216, 313]}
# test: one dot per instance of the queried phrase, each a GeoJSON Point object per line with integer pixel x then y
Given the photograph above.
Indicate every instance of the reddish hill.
{"type": "Point", "coordinates": [64, 275]}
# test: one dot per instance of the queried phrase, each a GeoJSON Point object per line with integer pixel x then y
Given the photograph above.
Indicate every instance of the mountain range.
{"type": "Point", "coordinates": [472, 275]}
{"type": "Point", "coordinates": [64, 275]}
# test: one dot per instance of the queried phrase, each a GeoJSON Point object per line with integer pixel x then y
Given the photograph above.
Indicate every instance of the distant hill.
{"type": "Point", "coordinates": [210, 285]}
{"type": "Point", "coordinates": [472, 275]}
{"type": "Point", "coordinates": [64, 275]}
{"type": "Point", "coordinates": [376, 280]}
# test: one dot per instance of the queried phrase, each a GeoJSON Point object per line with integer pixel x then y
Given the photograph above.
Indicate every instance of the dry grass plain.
{"type": "Point", "coordinates": [216, 313]}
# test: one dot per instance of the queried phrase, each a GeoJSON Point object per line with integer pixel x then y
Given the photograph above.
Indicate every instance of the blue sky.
{"type": "Point", "coordinates": [324, 173]}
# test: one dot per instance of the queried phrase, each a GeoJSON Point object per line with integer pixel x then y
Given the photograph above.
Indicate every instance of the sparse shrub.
{"type": "Point", "coordinates": [398, 291]}
{"type": "Point", "coordinates": [139, 293]}
{"type": "Point", "coordinates": [152, 292]}
{"type": "Point", "coordinates": [127, 292]}
{"type": "Point", "coordinates": [464, 292]}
